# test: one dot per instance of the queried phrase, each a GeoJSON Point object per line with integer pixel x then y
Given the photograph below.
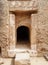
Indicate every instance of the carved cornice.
{"type": "Point", "coordinates": [23, 5]}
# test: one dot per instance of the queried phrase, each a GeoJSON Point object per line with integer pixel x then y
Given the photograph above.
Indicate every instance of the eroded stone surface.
{"type": "Point", "coordinates": [23, 5]}
{"type": "Point", "coordinates": [4, 27]}
{"type": "Point", "coordinates": [37, 23]}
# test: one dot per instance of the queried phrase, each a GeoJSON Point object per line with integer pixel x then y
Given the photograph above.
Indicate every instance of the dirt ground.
{"type": "Point", "coordinates": [33, 61]}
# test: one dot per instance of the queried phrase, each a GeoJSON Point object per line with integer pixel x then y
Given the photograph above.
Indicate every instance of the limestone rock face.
{"type": "Point", "coordinates": [38, 23]}
{"type": "Point", "coordinates": [42, 30]}
{"type": "Point", "coordinates": [4, 29]}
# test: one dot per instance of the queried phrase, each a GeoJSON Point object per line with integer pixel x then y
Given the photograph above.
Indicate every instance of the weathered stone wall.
{"type": "Point", "coordinates": [23, 20]}
{"type": "Point", "coordinates": [39, 24]}
{"type": "Point", "coordinates": [42, 26]}
{"type": "Point", "coordinates": [4, 27]}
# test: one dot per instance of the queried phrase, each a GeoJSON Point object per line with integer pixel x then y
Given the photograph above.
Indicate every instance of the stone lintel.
{"type": "Point", "coordinates": [23, 6]}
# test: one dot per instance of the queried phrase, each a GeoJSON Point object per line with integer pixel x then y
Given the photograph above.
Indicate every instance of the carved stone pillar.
{"type": "Point", "coordinates": [34, 34]}
{"type": "Point", "coordinates": [12, 31]}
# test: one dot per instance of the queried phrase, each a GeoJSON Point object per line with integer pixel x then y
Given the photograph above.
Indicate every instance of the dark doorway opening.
{"type": "Point", "coordinates": [23, 36]}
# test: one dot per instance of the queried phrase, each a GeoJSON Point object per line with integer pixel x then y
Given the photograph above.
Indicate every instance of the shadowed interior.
{"type": "Point", "coordinates": [23, 36]}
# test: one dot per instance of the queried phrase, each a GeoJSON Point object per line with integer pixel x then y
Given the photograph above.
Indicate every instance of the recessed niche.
{"type": "Point", "coordinates": [23, 37]}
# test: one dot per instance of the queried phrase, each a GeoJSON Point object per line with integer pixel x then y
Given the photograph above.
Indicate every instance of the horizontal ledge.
{"type": "Point", "coordinates": [24, 11]}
